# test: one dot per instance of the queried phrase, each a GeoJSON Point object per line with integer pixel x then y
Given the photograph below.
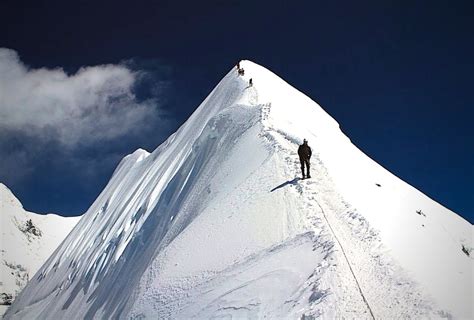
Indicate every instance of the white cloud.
{"type": "Point", "coordinates": [95, 104]}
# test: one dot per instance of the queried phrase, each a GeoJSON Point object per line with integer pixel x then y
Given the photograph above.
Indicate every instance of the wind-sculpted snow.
{"type": "Point", "coordinates": [246, 289]}
{"type": "Point", "coordinates": [149, 200]}
{"type": "Point", "coordinates": [214, 224]}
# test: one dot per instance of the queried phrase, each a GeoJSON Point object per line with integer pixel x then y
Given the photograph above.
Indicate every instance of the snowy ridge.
{"type": "Point", "coordinates": [214, 223]}
{"type": "Point", "coordinates": [25, 247]}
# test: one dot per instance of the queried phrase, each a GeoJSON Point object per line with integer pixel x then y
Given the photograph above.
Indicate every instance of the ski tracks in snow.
{"type": "Point", "coordinates": [362, 278]}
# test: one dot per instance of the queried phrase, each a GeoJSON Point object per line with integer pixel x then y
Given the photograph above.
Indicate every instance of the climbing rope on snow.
{"type": "Point", "coordinates": [265, 112]}
{"type": "Point", "coordinates": [348, 262]}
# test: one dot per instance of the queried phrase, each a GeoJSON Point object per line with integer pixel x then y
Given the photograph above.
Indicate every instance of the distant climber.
{"type": "Point", "coordinates": [250, 82]}
{"type": "Point", "coordinates": [240, 70]}
{"type": "Point", "coordinates": [304, 152]}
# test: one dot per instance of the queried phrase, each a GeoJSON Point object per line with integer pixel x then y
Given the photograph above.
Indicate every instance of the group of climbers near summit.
{"type": "Point", "coordinates": [304, 150]}
{"type": "Point", "coordinates": [241, 72]}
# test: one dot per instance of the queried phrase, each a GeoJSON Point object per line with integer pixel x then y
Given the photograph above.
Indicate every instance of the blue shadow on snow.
{"type": "Point", "coordinates": [284, 184]}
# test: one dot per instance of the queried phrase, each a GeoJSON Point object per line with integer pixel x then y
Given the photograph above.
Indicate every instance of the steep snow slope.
{"type": "Point", "coordinates": [215, 223]}
{"type": "Point", "coordinates": [26, 247]}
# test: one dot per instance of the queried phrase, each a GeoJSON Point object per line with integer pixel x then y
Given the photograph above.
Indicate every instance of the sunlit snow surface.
{"type": "Point", "coordinates": [215, 223]}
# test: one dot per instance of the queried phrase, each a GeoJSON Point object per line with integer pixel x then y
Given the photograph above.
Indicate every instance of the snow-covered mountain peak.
{"type": "Point", "coordinates": [11, 207]}
{"type": "Point", "coordinates": [215, 223]}
{"type": "Point", "coordinates": [273, 89]}
{"type": "Point", "coordinates": [8, 198]}
{"type": "Point", "coordinates": [27, 240]}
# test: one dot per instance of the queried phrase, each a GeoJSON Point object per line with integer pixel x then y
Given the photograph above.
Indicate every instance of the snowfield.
{"type": "Point", "coordinates": [215, 223]}
{"type": "Point", "coordinates": [25, 247]}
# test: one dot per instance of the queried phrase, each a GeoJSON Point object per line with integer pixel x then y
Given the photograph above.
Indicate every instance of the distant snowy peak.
{"type": "Point", "coordinates": [27, 240]}
{"type": "Point", "coordinates": [8, 198]}
{"type": "Point", "coordinates": [12, 205]}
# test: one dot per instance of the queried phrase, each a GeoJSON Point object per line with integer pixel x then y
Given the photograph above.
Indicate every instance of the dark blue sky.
{"type": "Point", "coordinates": [396, 75]}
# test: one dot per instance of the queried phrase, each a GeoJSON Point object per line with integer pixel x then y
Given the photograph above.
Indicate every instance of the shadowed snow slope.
{"type": "Point", "coordinates": [25, 246]}
{"type": "Point", "coordinates": [214, 223]}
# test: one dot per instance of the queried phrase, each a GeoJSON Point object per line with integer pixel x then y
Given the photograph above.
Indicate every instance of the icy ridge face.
{"type": "Point", "coordinates": [148, 197]}
{"type": "Point", "coordinates": [216, 223]}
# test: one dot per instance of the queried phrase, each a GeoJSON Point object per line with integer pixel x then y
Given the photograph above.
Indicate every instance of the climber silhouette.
{"type": "Point", "coordinates": [240, 70]}
{"type": "Point", "coordinates": [304, 152]}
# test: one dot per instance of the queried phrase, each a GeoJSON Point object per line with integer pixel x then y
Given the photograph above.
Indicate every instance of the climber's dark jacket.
{"type": "Point", "coordinates": [304, 151]}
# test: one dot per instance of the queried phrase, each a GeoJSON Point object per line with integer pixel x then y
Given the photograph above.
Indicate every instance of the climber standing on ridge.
{"type": "Point", "coordinates": [240, 70]}
{"type": "Point", "coordinates": [250, 82]}
{"type": "Point", "coordinates": [304, 152]}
